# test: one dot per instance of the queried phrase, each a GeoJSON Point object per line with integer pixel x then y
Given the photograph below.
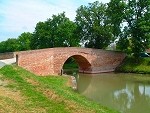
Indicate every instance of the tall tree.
{"type": "Point", "coordinates": [56, 32]}
{"type": "Point", "coordinates": [93, 26]}
{"type": "Point", "coordinates": [132, 20]}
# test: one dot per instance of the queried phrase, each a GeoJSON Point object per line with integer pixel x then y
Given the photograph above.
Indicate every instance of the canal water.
{"type": "Point", "coordinates": [127, 93]}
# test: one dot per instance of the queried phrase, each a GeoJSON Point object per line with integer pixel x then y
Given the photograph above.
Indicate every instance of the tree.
{"type": "Point", "coordinates": [56, 32]}
{"type": "Point", "coordinates": [93, 26]}
{"type": "Point", "coordinates": [16, 44]}
{"type": "Point", "coordinates": [132, 20]}
{"type": "Point", "coordinates": [2, 47]}
{"type": "Point", "coordinates": [24, 41]}
{"type": "Point", "coordinates": [9, 45]}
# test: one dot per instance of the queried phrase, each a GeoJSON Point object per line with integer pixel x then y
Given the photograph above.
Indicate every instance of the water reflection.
{"type": "Point", "coordinates": [123, 92]}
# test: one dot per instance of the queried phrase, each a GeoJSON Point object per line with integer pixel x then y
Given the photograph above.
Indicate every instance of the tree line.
{"type": "Point", "coordinates": [97, 25]}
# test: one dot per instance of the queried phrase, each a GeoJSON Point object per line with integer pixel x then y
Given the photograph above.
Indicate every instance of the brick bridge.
{"type": "Point", "coordinates": [51, 60]}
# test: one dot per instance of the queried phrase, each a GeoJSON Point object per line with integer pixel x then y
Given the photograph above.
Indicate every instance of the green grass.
{"type": "Point", "coordinates": [135, 65]}
{"type": "Point", "coordinates": [36, 94]}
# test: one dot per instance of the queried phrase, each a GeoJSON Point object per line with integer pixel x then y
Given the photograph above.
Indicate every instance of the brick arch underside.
{"type": "Point", "coordinates": [83, 63]}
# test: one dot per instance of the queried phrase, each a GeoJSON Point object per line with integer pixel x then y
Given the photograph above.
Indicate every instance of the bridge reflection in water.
{"type": "Point", "coordinates": [123, 92]}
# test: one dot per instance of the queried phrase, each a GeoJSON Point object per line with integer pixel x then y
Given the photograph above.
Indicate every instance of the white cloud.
{"type": "Point", "coordinates": [91, 1]}
{"type": "Point", "coordinates": [21, 15]}
{"type": "Point", "coordinates": [25, 14]}
{"type": "Point", "coordinates": [18, 16]}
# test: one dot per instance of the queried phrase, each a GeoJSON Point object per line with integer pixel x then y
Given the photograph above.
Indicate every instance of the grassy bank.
{"type": "Point", "coordinates": [135, 65]}
{"type": "Point", "coordinates": [24, 92]}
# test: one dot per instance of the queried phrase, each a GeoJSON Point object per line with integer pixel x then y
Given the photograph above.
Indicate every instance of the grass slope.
{"type": "Point", "coordinates": [24, 92]}
{"type": "Point", "coordinates": [132, 65]}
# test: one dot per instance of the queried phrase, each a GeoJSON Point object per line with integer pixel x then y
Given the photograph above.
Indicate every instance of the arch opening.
{"type": "Point", "coordinates": [75, 64]}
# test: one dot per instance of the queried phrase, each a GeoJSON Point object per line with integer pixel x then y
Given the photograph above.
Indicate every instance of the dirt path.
{"type": "Point", "coordinates": [7, 62]}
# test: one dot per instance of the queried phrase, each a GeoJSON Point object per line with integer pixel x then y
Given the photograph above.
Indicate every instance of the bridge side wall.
{"type": "Point", "coordinates": [106, 61]}
{"type": "Point", "coordinates": [7, 55]}
{"type": "Point", "coordinates": [39, 62]}
{"type": "Point", "coordinates": [50, 61]}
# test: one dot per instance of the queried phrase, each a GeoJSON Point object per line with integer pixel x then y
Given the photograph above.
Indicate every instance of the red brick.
{"type": "Point", "coordinates": [50, 61]}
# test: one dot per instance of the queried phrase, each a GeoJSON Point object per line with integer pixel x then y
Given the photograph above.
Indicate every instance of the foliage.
{"type": "Point", "coordinates": [70, 64]}
{"type": "Point", "coordinates": [9, 46]}
{"type": "Point", "coordinates": [16, 44]}
{"type": "Point", "coordinates": [96, 25]}
{"type": "Point", "coordinates": [49, 94]}
{"type": "Point", "coordinates": [93, 26]}
{"type": "Point", "coordinates": [131, 19]}
{"type": "Point", "coordinates": [56, 32]}
{"type": "Point", "coordinates": [24, 41]}
{"type": "Point", "coordinates": [135, 65]}
{"type": "Point", "coordinates": [2, 47]}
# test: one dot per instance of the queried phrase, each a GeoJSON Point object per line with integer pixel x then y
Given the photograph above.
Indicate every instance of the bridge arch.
{"type": "Point", "coordinates": [83, 63]}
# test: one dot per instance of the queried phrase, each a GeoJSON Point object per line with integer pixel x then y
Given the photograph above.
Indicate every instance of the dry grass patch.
{"type": "Point", "coordinates": [71, 106]}
{"type": "Point", "coordinates": [31, 81]}
{"type": "Point", "coordinates": [9, 93]}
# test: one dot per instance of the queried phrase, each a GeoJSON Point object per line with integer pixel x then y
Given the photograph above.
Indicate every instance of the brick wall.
{"type": "Point", "coordinates": [50, 61]}
{"type": "Point", "coordinates": [8, 55]}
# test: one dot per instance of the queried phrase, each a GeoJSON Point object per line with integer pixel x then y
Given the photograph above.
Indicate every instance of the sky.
{"type": "Point", "coordinates": [18, 16]}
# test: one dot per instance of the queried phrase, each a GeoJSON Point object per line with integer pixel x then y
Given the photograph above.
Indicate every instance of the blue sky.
{"type": "Point", "coordinates": [18, 16]}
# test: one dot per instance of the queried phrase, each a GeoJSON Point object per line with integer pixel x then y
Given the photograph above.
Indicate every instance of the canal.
{"type": "Point", "coordinates": [127, 93]}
